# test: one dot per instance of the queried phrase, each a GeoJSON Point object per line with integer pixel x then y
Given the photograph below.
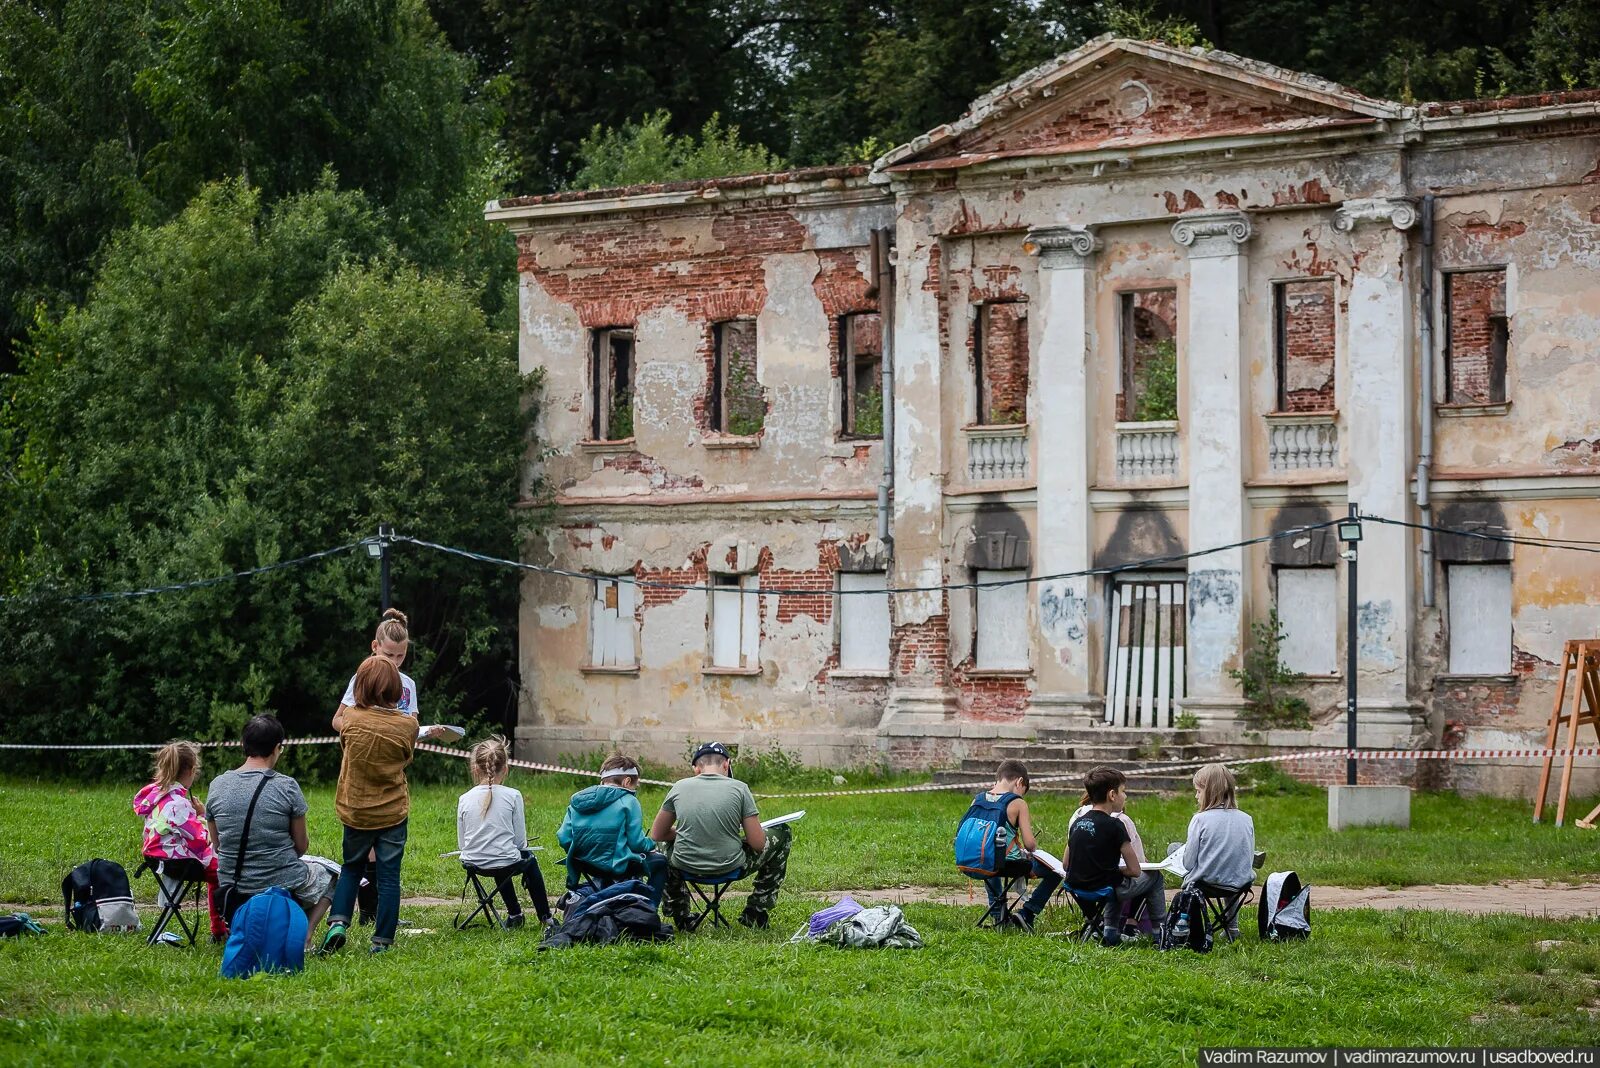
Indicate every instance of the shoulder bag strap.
{"type": "Point", "coordinates": [244, 833]}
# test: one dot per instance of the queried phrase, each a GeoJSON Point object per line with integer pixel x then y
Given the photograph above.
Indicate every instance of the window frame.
{"type": "Point", "coordinates": [848, 370]}
{"type": "Point", "coordinates": [597, 655]}
{"type": "Point", "coordinates": [1019, 590]}
{"type": "Point", "coordinates": [1499, 344]}
{"type": "Point", "coordinates": [1453, 572]}
{"type": "Point", "coordinates": [718, 416]}
{"type": "Point", "coordinates": [1280, 342]}
{"type": "Point", "coordinates": [842, 600]}
{"type": "Point", "coordinates": [747, 589]}
{"type": "Point", "coordinates": [602, 378]}
{"type": "Point", "coordinates": [1127, 337]}
{"type": "Point", "coordinates": [1331, 626]}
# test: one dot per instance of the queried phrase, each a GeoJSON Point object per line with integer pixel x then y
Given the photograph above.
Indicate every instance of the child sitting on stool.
{"type": "Point", "coordinates": [1097, 841]}
{"type": "Point", "coordinates": [1016, 843]}
{"type": "Point", "coordinates": [492, 832]}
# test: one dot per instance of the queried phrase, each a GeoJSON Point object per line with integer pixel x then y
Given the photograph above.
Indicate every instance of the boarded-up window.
{"type": "Point", "coordinates": [860, 374]}
{"type": "Point", "coordinates": [738, 405]}
{"type": "Point", "coordinates": [1477, 336]}
{"type": "Point", "coordinates": [1000, 362]}
{"type": "Point", "coordinates": [1002, 622]}
{"type": "Point", "coordinates": [1305, 318]}
{"type": "Point", "coordinates": [863, 621]}
{"type": "Point", "coordinates": [735, 621]}
{"type": "Point", "coordinates": [612, 627]}
{"type": "Point", "coordinates": [1480, 618]}
{"type": "Point", "coordinates": [1308, 615]}
{"type": "Point", "coordinates": [1147, 383]}
{"type": "Point", "coordinates": [611, 376]}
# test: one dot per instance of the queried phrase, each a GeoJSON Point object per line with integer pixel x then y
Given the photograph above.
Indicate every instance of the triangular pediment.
{"type": "Point", "coordinates": [1114, 93]}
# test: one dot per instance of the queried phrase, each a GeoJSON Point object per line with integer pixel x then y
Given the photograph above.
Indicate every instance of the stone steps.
{"type": "Point", "coordinates": [1072, 752]}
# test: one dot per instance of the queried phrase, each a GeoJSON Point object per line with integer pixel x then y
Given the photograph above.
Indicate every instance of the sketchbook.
{"type": "Point", "coordinates": [1173, 863]}
{"type": "Point", "coordinates": [778, 821]}
{"type": "Point", "coordinates": [1050, 862]}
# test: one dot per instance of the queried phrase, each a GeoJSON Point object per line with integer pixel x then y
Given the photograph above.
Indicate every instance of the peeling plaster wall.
{"type": "Point", "coordinates": [1523, 197]}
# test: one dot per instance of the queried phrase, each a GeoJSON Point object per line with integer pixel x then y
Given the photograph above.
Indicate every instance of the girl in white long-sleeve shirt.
{"type": "Point", "coordinates": [492, 831]}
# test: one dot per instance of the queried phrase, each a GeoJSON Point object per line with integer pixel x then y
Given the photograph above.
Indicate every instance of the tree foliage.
{"type": "Point", "coordinates": [243, 385]}
{"type": "Point", "coordinates": [647, 151]}
{"type": "Point", "coordinates": [116, 112]}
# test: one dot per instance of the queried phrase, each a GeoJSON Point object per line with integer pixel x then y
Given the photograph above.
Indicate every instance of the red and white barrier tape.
{"type": "Point", "coordinates": [1147, 772]}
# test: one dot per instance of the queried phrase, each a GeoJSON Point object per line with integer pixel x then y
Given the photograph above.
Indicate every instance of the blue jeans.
{"type": "Point", "coordinates": [390, 845]}
{"type": "Point", "coordinates": [1022, 868]}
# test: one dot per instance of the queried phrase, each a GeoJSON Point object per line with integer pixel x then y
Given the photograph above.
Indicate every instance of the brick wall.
{"type": "Point", "coordinates": [1112, 108]}
{"type": "Point", "coordinates": [992, 697]}
{"type": "Point", "coordinates": [1005, 363]}
{"type": "Point", "coordinates": [920, 652]}
{"type": "Point", "coordinates": [1306, 363]}
{"type": "Point", "coordinates": [1476, 299]}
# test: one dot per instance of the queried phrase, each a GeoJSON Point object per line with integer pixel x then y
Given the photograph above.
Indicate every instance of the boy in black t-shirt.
{"type": "Point", "coordinates": [1097, 841]}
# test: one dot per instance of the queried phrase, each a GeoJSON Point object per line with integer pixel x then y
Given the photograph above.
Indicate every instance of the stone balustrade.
{"type": "Point", "coordinates": [1303, 442]}
{"type": "Point", "coordinates": [997, 453]}
{"type": "Point", "coordinates": [1147, 450]}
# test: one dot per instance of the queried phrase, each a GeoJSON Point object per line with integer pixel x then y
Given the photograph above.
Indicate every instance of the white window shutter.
{"type": "Point", "coordinates": [750, 627]}
{"type": "Point", "coordinates": [863, 621]}
{"type": "Point", "coordinates": [1308, 614]}
{"type": "Point", "coordinates": [1002, 623]}
{"type": "Point", "coordinates": [1480, 619]}
{"type": "Point", "coordinates": [724, 625]}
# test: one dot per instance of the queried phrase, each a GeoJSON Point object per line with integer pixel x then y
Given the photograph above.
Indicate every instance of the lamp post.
{"type": "Point", "coordinates": [380, 550]}
{"type": "Point", "coordinates": [1350, 533]}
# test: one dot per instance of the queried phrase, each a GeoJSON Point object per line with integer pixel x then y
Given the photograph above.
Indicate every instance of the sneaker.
{"type": "Point", "coordinates": [511, 923]}
{"type": "Point", "coordinates": [1111, 937]}
{"type": "Point", "coordinates": [752, 920]}
{"type": "Point", "coordinates": [1021, 921]}
{"type": "Point", "coordinates": [379, 947]}
{"type": "Point", "coordinates": [332, 939]}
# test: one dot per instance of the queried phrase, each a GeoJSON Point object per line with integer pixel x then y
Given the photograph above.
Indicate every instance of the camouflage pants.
{"type": "Point", "coordinates": [769, 866]}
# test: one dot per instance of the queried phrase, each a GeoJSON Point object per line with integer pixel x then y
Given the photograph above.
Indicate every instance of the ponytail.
{"type": "Point", "coordinates": [175, 760]}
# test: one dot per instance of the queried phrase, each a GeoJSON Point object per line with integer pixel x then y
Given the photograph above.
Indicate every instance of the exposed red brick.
{"type": "Point", "coordinates": [1305, 193]}
{"type": "Point", "coordinates": [1308, 337]}
{"type": "Point", "coordinates": [1004, 334]}
{"type": "Point", "coordinates": [1178, 109]}
{"type": "Point", "coordinates": [1476, 299]}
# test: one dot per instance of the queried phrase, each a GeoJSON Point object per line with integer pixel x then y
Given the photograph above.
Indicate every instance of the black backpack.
{"type": "Point", "coordinates": [1285, 910]}
{"type": "Point", "coordinates": [1186, 926]}
{"type": "Point", "coordinates": [97, 898]}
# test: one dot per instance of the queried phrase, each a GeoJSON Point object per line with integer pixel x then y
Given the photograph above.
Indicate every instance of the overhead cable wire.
{"type": "Point", "coordinates": [782, 591]}
{"type": "Point", "coordinates": [1577, 545]}
{"type": "Point", "coordinates": [195, 584]}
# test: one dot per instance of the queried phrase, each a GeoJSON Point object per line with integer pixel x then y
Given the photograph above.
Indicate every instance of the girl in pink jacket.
{"type": "Point", "coordinates": [174, 824]}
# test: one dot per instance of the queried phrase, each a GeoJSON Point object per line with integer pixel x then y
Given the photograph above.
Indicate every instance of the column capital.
{"type": "Point", "coordinates": [1212, 233]}
{"type": "Point", "coordinates": [1400, 212]}
{"type": "Point", "coordinates": [1062, 246]}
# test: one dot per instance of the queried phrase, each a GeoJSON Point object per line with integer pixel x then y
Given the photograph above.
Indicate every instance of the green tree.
{"type": "Point", "coordinates": [647, 151]}
{"type": "Point", "coordinates": [243, 385]}
{"type": "Point", "coordinates": [116, 112]}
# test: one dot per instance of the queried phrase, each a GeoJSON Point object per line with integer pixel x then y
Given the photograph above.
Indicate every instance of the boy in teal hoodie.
{"type": "Point", "coordinates": [603, 832]}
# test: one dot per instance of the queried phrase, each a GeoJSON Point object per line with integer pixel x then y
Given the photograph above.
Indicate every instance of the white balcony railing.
{"type": "Point", "coordinates": [1147, 450]}
{"type": "Point", "coordinates": [997, 453]}
{"type": "Point", "coordinates": [1303, 442]}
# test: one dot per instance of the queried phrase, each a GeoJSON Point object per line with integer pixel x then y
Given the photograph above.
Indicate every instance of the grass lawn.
{"type": "Point", "coordinates": [853, 842]}
{"type": "Point", "coordinates": [742, 997]}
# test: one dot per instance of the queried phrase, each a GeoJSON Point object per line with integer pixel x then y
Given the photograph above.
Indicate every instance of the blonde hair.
{"type": "Point", "coordinates": [489, 760]}
{"type": "Point", "coordinates": [1217, 787]}
{"type": "Point", "coordinates": [175, 760]}
{"type": "Point", "coordinates": [392, 627]}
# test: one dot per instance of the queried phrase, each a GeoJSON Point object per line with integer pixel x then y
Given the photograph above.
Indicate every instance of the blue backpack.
{"type": "Point", "coordinates": [268, 933]}
{"type": "Point", "coordinates": [979, 850]}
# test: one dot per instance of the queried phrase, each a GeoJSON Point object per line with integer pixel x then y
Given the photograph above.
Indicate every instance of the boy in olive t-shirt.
{"type": "Point", "coordinates": [709, 826]}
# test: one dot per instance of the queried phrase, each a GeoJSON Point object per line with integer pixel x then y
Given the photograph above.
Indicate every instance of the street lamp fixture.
{"type": "Point", "coordinates": [1349, 530]}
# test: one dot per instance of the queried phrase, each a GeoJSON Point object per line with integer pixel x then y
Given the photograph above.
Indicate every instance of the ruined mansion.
{"type": "Point", "coordinates": [1138, 303]}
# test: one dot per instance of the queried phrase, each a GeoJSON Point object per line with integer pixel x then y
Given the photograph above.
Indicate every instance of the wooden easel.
{"type": "Point", "coordinates": [1580, 659]}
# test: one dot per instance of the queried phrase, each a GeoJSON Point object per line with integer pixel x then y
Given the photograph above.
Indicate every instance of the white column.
{"type": "Point", "coordinates": [919, 696]}
{"type": "Point", "coordinates": [1066, 670]}
{"type": "Point", "coordinates": [1378, 415]}
{"type": "Point", "coordinates": [1213, 426]}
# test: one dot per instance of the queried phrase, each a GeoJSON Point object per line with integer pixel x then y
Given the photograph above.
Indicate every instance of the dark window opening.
{"type": "Point", "coordinates": [1477, 336]}
{"type": "Point", "coordinates": [738, 403]}
{"type": "Point", "coordinates": [1148, 385]}
{"type": "Point", "coordinates": [611, 410]}
{"type": "Point", "coordinates": [1304, 345]}
{"type": "Point", "coordinates": [860, 374]}
{"type": "Point", "coordinates": [1000, 362]}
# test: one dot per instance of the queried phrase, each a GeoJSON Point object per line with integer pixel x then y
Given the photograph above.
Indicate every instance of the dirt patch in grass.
{"type": "Point", "coordinates": [1530, 897]}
